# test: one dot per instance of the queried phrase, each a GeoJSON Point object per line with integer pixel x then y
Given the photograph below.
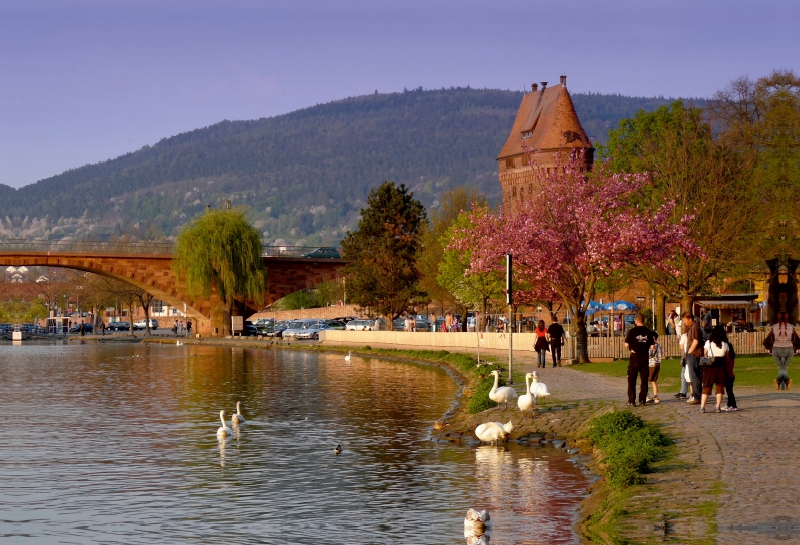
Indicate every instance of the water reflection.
{"type": "Point", "coordinates": [117, 444]}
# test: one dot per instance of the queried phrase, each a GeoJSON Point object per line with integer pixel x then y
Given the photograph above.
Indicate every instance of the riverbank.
{"type": "Point", "coordinates": [678, 503]}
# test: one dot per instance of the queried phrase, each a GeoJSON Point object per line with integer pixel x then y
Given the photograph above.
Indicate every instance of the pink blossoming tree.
{"type": "Point", "coordinates": [578, 228]}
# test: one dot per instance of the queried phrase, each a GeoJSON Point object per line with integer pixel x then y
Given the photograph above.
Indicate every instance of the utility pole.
{"type": "Point", "coordinates": [510, 302]}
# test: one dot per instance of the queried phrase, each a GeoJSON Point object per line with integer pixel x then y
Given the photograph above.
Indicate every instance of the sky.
{"type": "Point", "coordinates": [83, 81]}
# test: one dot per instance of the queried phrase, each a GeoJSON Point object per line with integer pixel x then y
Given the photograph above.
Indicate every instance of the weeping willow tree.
{"type": "Point", "coordinates": [221, 251]}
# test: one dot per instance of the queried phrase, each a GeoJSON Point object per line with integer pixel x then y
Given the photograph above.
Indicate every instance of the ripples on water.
{"type": "Point", "coordinates": [117, 444]}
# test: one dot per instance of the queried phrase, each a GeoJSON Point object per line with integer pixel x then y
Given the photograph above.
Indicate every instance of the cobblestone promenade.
{"type": "Point", "coordinates": [753, 453]}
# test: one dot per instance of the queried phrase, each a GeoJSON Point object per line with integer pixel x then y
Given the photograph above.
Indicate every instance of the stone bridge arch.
{"type": "Point", "coordinates": [153, 273]}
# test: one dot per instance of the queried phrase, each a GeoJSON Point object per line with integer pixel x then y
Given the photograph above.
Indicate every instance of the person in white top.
{"type": "Point", "coordinates": [714, 375]}
{"type": "Point", "coordinates": [783, 349]}
{"type": "Point", "coordinates": [684, 381]}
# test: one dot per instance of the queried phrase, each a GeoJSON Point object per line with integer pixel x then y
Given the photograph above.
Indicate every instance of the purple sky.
{"type": "Point", "coordinates": [82, 81]}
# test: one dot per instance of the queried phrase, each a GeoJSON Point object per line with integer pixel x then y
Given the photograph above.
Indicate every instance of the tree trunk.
{"type": "Point", "coordinates": [389, 323]}
{"type": "Point", "coordinates": [130, 317]}
{"type": "Point", "coordinates": [582, 338]}
{"type": "Point", "coordinates": [686, 303]}
{"type": "Point", "coordinates": [660, 314]}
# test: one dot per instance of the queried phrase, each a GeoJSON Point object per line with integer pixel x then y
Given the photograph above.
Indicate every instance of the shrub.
{"type": "Point", "coordinates": [630, 446]}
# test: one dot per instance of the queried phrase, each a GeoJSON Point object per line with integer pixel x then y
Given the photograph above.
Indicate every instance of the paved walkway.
{"type": "Point", "coordinates": [753, 453]}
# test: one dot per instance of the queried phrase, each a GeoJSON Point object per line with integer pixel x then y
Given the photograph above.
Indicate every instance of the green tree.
{"type": "Point", "coordinates": [475, 289]}
{"type": "Point", "coordinates": [220, 251]}
{"type": "Point", "coordinates": [382, 253]}
{"type": "Point", "coordinates": [709, 180]}
{"type": "Point", "coordinates": [453, 202]}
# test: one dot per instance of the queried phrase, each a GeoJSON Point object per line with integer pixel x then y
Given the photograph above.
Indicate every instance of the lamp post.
{"type": "Point", "coordinates": [510, 302]}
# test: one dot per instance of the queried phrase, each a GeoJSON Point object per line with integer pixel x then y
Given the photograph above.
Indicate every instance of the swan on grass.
{"type": "Point", "coordinates": [238, 418]}
{"type": "Point", "coordinates": [526, 402]}
{"type": "Point", "coordinates": [501, 395]}
{"type": "Point", "coordinates": [538, 389]}
{"type": "Point", "coordinates": [492, 432]}
{"type": "Point", "coordinates": [347, 357]}
{"type": "Point", "coordinates": [224, 431]}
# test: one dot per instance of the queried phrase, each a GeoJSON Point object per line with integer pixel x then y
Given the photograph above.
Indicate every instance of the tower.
{"type": "Point", "coordinates": [546, 122]}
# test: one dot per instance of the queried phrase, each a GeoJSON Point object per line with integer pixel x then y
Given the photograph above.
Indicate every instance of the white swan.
{"type": "Point", "coordinates": [347, 357]}
{"type": "Point", "coordinates": [477, 527]}
{"type": "Point", "coordinates": [238, 418]}
{"type": "Point", "coordinates": [473, 517]}
{"type": "Point", "coordinates": [526, 401]}
{"type": "Point", "coordinates": [178, 343]}
{"type": "Point", "coordinates": [492, 432]}
{"type": "Point", "coordinates": [538, 389]}
{"type": "Point", "coordinates": [501, 395]}
{"type": "Point", "coordinates": [223, 431]}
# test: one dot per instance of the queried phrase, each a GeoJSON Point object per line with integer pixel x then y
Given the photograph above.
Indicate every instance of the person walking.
{"type": "Point", "coordinates": [671, 326]}
{"type": "Point", "coordinates": [656, 355]}
{"type": "Point", "coordinates": [730, 361]}
{"type": "Point", "coordinates": [783, 348]}
{"type": "Point", "coordinates": [541, 345]}
{"type": "Point", "coordinates": [188, 328]}
{"type": "Point", "coordinates": [684, 391]}
{"type": "Point", "coordinates": [716, 350]}
{"type": "Point", "coordinates": [556, 338]}
{"type": "Point", "coordinates": [103, 327]}
{"type": "Point", "coordinates": [694, 350]}
{"type": "Point", "coordinates": [638, 340]}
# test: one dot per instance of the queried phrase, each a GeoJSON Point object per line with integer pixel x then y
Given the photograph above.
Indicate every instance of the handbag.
{"type": "Point", "coordinates": [705, 362]}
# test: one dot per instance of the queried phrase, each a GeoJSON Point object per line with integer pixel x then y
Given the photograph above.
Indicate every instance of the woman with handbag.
{"type": "Point", "coordinates": [714, 364]}
{"type": "Point", "coordinates": [541, 346]}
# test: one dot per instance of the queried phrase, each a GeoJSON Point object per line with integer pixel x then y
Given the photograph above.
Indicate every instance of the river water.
{"type": "Point", "coordinates": [117, 444]}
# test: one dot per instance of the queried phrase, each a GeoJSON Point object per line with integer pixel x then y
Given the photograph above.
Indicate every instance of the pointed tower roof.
{"type": "Point", "coordinates": [546, 120]}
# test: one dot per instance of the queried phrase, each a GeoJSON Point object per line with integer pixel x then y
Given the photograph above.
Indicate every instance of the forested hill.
{"type": "Point", "coordinates": [304, 175]}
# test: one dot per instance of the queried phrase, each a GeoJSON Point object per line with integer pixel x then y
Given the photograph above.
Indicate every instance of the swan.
{"type": "Point", "coordinates": [223, 431]}
{"type": "Point", "coordinates": [538, 389]}
{"type": "Point", "coordinates": [501, 395]}
{"type": "Point", "coordinates": [476, 525]}
{"type": "Point", "coordinates": [338, 450]}
{"type": "Point", "coordinates": [526, 401]}
{"type": "Point", "coordinates": [178, 343]}
{"type": "Point", "coordinates": [492, 432]}
{"type": "Point", "coordinates": [480, 517]}
{"type": "Point", "coordinates": [347, 357]}
{"type": "Point", "coordinates": [238, 418]}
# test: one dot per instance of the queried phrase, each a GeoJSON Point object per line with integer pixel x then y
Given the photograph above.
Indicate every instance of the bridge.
{"type": "Point", "coordinates": [148, 265]}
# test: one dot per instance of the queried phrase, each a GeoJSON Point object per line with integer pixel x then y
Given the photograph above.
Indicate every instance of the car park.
{"type": "Point", "coordinates": [323, 253]}
{"type": "Point", "coordinates": [298, 325]}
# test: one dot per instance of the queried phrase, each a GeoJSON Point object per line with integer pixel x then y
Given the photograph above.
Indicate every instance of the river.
{"type": "Point", "coordinates": [117, 444]}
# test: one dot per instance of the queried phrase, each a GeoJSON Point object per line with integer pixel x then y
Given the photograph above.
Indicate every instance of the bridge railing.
{"type": "Point", "coordinates": [8, 245]}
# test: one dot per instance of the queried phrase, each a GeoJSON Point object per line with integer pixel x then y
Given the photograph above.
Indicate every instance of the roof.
{"type": "Point", "coordinates": [729, 303]}
{"type": "Point", "coordinates": [550, 118]}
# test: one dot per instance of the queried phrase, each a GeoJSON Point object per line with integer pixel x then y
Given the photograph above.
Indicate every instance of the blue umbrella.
{"type": "Point", "coordinates": [620, 305]}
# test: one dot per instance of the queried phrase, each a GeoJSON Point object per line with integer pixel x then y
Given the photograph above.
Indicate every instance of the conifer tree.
{"type": "Point", "coordinates": [382, 273]}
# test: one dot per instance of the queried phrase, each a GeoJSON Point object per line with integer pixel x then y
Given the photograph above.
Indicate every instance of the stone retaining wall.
{"type": "Point", "coordinates": [322, 312]}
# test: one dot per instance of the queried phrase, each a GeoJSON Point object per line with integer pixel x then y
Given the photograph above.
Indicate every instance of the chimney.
{"type": "Point", "coordinates": [544, 84]}
{"type": "Point", "coordinates": [534, 87]}
{"type": "Point", "coordinates": [563, 81]}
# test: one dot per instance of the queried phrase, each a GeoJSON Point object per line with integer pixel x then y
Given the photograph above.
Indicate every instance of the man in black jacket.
{"type": "Point", "coordinates": [638, 341]}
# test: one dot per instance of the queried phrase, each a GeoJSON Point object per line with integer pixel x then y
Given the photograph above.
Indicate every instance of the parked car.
{"type": "Point", "coordinates": [142, 324]}
{"type": "Point", "coordinates": [298, 325]}
{"type": "Point", "coordinates": [250, 329]}
{"type": "Point", "coordinates": [119, 326]}
{"type": "Point", "coordinates": [311, 332]}
{"type": "Point", "coordinates": [277, 330]}
{"type": "Point", "coordinates": [366, 325]}
{"type": "Point", "coordinates": [324, 253]}
{"type": "Point", "coordinates": [336, 324]}
{"type": "Point", "coordinates": [87, 328]}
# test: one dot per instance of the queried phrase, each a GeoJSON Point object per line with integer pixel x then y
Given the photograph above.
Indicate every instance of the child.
{"type": "Point", "coordinates": [656, 353]}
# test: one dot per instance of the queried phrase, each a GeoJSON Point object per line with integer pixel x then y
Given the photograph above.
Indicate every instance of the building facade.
{"type": "Point", "coordinates": [548, 124]}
